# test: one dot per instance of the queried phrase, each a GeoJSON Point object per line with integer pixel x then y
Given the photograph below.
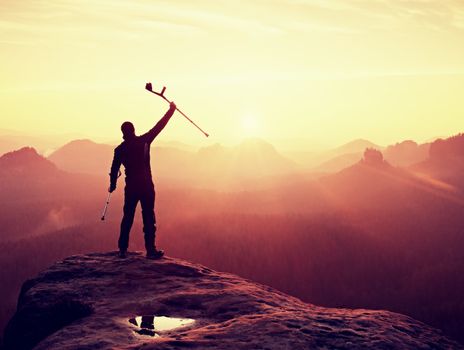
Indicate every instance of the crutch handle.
{"type": "Point", "coordinates": [148, 86]}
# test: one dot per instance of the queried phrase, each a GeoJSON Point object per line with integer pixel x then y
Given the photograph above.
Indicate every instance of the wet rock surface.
{"type": "Point", "coordinates": [94, 301]}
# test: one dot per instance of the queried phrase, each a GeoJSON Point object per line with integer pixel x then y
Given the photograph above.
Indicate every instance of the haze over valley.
{"type": "Point", "coordinates": [381, 233]}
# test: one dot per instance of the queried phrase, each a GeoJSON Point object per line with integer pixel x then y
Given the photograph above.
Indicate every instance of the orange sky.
{"type": "Point", "coordinates": [296, 72]}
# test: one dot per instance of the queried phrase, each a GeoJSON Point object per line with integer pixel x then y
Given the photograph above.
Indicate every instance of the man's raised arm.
{"type": "Point", "coordinates": [153, 132]}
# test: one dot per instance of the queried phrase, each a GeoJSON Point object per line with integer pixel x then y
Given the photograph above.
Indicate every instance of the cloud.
{"type": "Point", "coordinates": [129, 20]}
{"type": "Point", "coordinates": [387, 14]}
{"type": "Point", "coordinates": [89, 21]}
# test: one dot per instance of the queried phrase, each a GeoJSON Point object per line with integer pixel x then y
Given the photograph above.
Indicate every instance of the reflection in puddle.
{"type": "Point", "coordinates": [150, 325]}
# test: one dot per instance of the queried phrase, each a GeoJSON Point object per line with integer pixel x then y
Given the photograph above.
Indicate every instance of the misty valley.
{"type": "Point", "coordinates": [355, 227]}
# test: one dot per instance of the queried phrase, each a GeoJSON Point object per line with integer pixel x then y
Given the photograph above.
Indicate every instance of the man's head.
{"type": "Point", "coordinates": [128, 130]}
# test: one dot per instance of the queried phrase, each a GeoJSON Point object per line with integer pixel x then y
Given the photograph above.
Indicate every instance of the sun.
{"type": "Point", "coordinates": [250, 125]}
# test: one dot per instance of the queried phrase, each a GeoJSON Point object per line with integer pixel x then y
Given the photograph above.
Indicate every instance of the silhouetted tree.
{"type": "Point", "coordinates": [450, 147]}
{"type": "Point", "coordinates": [372, 157]}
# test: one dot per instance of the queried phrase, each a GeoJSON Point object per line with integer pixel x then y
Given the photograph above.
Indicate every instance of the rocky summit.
{"type": "Point", "coordinates": [99, 301]}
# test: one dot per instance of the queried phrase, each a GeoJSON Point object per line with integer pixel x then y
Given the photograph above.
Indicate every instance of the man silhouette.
{"type": "Point", "coordinates": [134, 154]}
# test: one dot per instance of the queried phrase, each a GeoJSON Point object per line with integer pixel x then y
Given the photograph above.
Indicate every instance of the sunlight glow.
{"type": "Point", "coordinates": [324, 72]}
{"type": "Point", "coordinates": [250, 125]}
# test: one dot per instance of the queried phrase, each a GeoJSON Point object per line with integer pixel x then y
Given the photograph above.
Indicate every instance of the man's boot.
{"type": "Point", "coordinates": [155, 254]}
{"type": "Point", "coordinates": [152, 252]}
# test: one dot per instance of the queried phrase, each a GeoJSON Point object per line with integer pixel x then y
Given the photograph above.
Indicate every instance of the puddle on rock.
{"type": "Point", "coordinates": [150, 325]}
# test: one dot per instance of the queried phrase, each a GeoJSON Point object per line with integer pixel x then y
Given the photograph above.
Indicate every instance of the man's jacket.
{"type": "Point", "coordinates": [134, 154]}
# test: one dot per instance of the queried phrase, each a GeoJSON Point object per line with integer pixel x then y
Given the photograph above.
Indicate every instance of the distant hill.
{"type": "Point", "coordinates": [451, 148]}
{"type": "Point", "coordinates": [401, 154]}
{"type": "Point", "coordinates": [368, 183]}
{"type": "Point", "coordinates": [445, 162]}
{"type": "Point", "coordinates": [355, 146]}
{"type": "Point", "coordinates": [406, 153]}
{"type": "Point", "coordinates": [36, 195]}
{"type": "Point", "coordinates": [340, 162]}
{"type": "Point", "coordinates": [373, 183]}
{"type": "Point", "coordinates": [214, 166]}
{"type": "Point", "coordinates": [335, 159]}
{"type": "Point", "coordinates": [25, 163]}
{"type": "Point", "coordinates": [84, 156]}
{"type": "Point", "coordinates": [250, 159]}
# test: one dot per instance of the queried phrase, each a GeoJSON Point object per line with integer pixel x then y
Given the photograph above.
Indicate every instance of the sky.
{"type": "Point", "coordinates": [299, 73]}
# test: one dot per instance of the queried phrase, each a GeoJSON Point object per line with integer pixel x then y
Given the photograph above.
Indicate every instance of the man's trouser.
{"type": "Point", "coordinates": [146, 196]}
